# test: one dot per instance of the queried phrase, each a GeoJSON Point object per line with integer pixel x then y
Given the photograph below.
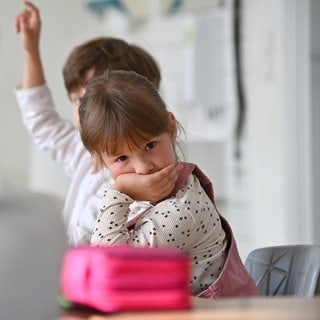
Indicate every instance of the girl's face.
{"type": "Point", "coordinates": [149, 157]}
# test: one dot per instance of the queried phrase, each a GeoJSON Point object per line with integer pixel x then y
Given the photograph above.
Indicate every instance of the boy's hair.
{"type": "Point", "coordinates": [121, 107]}
{"type": "Point", "coordinates": [107, 53]}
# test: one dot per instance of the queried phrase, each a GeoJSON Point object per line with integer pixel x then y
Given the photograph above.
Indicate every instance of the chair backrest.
{"type": "Point", "coordinates": [286, 270]}
{"type": "Point", "coordinates": [32, 244]}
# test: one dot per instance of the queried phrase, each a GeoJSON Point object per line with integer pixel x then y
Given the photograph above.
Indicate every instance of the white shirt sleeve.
{"type": "Point", "coordinates": [48, 130]}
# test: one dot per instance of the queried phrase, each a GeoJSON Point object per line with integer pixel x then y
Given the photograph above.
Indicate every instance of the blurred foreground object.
{"type": "Point", "coordinates": [122, 278]}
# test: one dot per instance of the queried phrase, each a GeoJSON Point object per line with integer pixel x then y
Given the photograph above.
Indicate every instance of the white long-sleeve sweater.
{"type": "Point", "coordinates": [61, 138]}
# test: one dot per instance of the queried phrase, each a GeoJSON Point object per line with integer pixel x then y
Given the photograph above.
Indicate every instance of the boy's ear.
{"type": "Point", "coordinates": [172, 126]}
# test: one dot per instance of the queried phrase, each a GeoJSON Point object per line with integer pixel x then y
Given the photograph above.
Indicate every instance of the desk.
{"type": "Point", "coordinates": [284, 308]}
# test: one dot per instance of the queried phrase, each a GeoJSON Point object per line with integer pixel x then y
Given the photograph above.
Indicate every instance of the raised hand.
{"type": "Point", "coordinates": [28, 24]}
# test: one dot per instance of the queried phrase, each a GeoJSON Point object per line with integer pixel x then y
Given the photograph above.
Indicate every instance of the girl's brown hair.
{"type": "Point", "coordinates": [109, 53]}
{"type": "Point", "coordinates": [121, 107]}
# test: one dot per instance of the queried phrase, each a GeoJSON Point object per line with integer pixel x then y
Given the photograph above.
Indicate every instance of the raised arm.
{"type": "Point", "coordinates": [28, 24]}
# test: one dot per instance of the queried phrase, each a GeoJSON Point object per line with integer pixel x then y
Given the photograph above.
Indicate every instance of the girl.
{"type": "Point", "coordinates": [125, 124]}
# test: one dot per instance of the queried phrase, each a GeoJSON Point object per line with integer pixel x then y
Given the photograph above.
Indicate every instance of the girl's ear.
{"type": "Point", "coordinates": [172, 127]}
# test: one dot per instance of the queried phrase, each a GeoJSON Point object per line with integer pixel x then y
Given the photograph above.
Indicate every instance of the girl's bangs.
{"type": "Point", "coordinates": [132, 140]}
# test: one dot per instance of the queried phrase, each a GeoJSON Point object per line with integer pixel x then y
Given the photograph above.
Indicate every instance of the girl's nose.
{"type": "Point", "coordinates": [143, 166]}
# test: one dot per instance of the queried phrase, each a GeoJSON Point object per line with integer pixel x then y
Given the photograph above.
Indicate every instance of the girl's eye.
{"type": "Point", "coordinates": [121, 158]}
{"type": "Point", "coordinates": [150, 145]}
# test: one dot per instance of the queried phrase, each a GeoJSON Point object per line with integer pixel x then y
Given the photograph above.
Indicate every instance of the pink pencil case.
{"type": "Point", "coordinates": [120, 278]}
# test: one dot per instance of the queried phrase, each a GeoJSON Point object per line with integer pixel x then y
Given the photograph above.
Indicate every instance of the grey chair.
{"type": "Point", "coordinates": [32, 245]}
{"type": "Point", "coordinates": [292, 270]}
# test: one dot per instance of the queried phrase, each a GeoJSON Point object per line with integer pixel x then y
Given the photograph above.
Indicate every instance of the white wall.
{"type": "Point", "coordinates": [315, 80]}
{"type": "Point", "coordinates": [264, 82]}
{"type": "Point", "coordinates": [281, 120]}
